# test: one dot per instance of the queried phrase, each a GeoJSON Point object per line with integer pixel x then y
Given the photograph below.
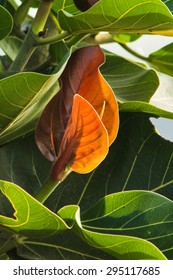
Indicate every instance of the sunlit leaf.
{"type": "Point", "coordinates": [95, 89]}
{"type": "Point", "coordinates": [82, 77]}
{"type": "Point", "coordinates": [143, 214]}
{"type": "Point", "coordinates": [22, 99]}
{"type": "Point", "coordinates": [30, 218]}
{"type": "Point", "coordinates": [119, 246]}
{"type": "Point", "coordinates": [139, 106]}
{"type": "Point", "coordinates": [169, 4]}
{"type": "Point", "coordinates": [125, 38]}
{"type": "Point", "coordinates": [85, 142]}
{"type": "Point", "coordinates": [67, 5]}
{"type": "Point", "coordinates": [137, 16]}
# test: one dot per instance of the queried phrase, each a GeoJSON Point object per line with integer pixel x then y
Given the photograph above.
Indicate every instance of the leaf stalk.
{"type": "Point", "coordinates": [46, 190]}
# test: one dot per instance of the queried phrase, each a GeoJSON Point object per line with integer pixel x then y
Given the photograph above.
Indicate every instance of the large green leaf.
{"type": "Point", "coordinates": [137, 16]}
{"type": "Point", "coordinates": [22, 163]}
{"type": "Point", "coordinates": [146, 215]}
{"type": "Point", "coordinates": [119, 246]}
{"type": "Point", "coordinates": [130, 81]}
{"type": "Point", "coordinates": [6, 23]}
{"type": "Point", "coordinates": [139, 159]}
{"type": "Point", "coordinates": [163, 59]}
{"type": "Point", "coordinates": [65, 246]}
{"type": "Point", "coordinates": [134, 85]}
{"type": "Point", "coordinates": [22, 99]}
{"type": "Point", "coordinates": [30, 218]}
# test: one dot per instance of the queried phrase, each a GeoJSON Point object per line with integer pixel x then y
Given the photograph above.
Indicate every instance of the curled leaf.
{"type": "Point", "coordinates": [85, 142]}
{"type": "Point", "coordinates": [82, 78]}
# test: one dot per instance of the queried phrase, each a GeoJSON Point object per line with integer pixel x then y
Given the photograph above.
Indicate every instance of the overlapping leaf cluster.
{"type": "Point", "coordinates": [66, 99]}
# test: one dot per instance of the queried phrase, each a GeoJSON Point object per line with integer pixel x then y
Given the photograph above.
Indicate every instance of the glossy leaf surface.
{"type": "Point", "coordinates": [138, 16]}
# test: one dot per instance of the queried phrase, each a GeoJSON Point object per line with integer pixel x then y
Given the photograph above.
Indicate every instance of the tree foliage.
{"type": "Point", "coordinates": [83, 172]}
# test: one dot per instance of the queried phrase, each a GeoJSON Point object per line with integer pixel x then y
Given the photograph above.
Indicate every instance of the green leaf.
{"type": "Point", "coordinates": [143, 214]}
{"type": "Point", "coordinates": [11, 46]}
{"type": "Point", "coordinates": [138, 16]}
{"type": "Point", "coordinates": [22, 99]}
{"type": "Point", "coordinates": [169, 4]}
{"type": "Point", "coordinates": [129, 80]}
{"type": "Point", "coordinates": [4, 257]}
{"type": "Point", "coordinates": [67, 5]}
{"type": "Point", "coordinates": [64, 246]}
{"type": "Point", "coordinates": [162, 59]}
{"type": "Point", "coordinates": [139, 159]}
{"type": "Point", "coordinates": [138, 106]}
{"type": "Point", "coordinates": [121, 247]}
{"type": "Point", "coordinates": [125, 38]}
{"type": "Point", "coordinates": [6, 23]}
{"type": "Point", "coordinates": [30, 218]}
{"type": "Point", "coordinates": [20, 163]}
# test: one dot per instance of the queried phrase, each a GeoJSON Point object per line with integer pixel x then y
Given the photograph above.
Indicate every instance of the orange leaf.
{"type": "Point", "coordinates": [88, 82]}
{"type": "Point", "coordinates": [95, 89]}
{"type": "Point", "coordinates": [85, 142]}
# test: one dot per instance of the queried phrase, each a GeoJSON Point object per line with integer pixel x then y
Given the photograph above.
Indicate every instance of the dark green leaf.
{"type": "Point", "coordinates": [22, 163]}
{"type": "Point", "coordinates": [65, 246]}
{"type": "Point", "coordinates": [162, 59]}
{"type": "Point", "coordinates": [6, 23]}
{"type": "Point", "coordinates": [129, 80]}
{"type": "Point", "coordinates": [139, 159]}
{"type": "Point", "coordinates": [143, 214]}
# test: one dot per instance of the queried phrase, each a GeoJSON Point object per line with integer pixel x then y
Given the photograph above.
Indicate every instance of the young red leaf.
{"type": "Point", "coordinates": [84, 78]}
{"type": "Point", "coordinates": [85, 142]}
{"type": "Point", "coordinates": [81, 77]}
